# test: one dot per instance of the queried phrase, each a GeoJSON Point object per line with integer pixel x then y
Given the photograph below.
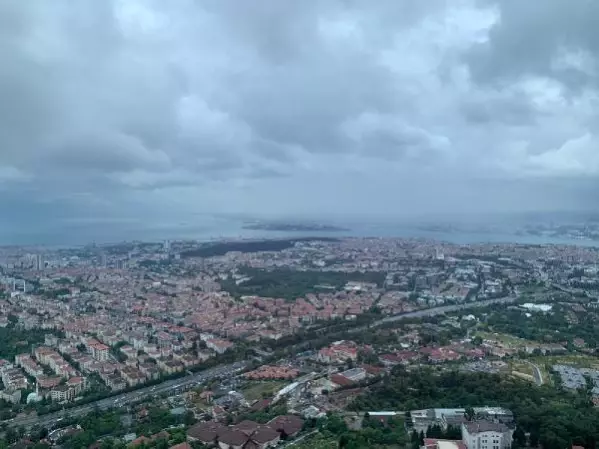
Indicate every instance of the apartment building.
{"type": "Point", "coordinates": [132, 376]}
{"type": "Point", "coordinates": [486, 435]}
{"type": "Point", "coordinates": [62, 393]}
{"type": "Point", "coordinates": [78, 384]}
{"type": "Point", "coordinates": [29, 366]}
{"type": "Point", "coordinates": [13, 379]}
{"type": "Point", "coordinates": [99, 351]}
{"type": "Point", "coordinates": [218, 345]}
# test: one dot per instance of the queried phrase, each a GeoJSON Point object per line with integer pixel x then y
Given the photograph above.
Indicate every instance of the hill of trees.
{"type": "Point", "coordinates": [554, 418]}
{"type": "Point", "coordinates": [249, 246]}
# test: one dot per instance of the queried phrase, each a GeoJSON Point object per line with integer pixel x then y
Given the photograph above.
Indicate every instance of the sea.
{"type": "Point", "coordinates": [229, 229]}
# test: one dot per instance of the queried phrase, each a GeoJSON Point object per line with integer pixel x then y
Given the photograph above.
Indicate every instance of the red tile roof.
{"type": "Point", "coordinates": [184, 445]}
{"type": "Point", "coordinates": [341, 380]}
{"type": "Point", "coordinates": [431, 443]}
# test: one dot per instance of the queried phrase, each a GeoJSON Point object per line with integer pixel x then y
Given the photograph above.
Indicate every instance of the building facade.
{"type": "Point", "coordinates": [486, 435]}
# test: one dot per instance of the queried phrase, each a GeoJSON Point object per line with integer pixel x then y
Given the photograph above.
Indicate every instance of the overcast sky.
{"type": "Point", "coordinates": [153, 110]}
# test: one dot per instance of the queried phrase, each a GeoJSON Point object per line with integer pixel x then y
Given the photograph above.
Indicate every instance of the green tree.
{"type": "Point", "coordinates": [519, 438]}
{"type": "Point", "coordinates": [414, 440]}
{"type": "Point", "coordinates": [11, 435]}
{"type": "Point", "coordinates": [469, 413]}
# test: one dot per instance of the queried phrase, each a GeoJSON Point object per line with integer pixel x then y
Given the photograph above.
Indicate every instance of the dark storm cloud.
{"type": "Point", "coordinates": [558, 39]}
{"type": "Point", "coordinates": [131, 107]}
{"type": "Point", "coordinates": [513, 110]}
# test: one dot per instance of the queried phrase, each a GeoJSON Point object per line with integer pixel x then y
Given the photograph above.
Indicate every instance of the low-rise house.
{"type": "Point", "coordinates": [287, 425]}
{"type": "Point", "coordinates": [246, 434]}
{"type": "Point", "coordinates": [206, 432]}
{"type": "Point", "coordinates": [183, 445]}
{"type": "Point", "coordinates": [339, 352]}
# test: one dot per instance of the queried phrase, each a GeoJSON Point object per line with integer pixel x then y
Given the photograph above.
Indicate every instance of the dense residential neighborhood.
{"type": "Point", "coordinates": [316, 327]}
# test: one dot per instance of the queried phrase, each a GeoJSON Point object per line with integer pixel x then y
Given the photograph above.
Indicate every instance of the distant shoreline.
{"type": "Point", "coordinates": [293, 227]}
{"type": "Point", "coordinates": [253, 230]}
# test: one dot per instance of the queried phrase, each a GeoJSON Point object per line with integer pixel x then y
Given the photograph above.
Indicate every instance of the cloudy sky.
{"type": "Point", "coordinates": [158, 112]}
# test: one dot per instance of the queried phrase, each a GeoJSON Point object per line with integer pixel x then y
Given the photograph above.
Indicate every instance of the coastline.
{"type": "Point", "coordinates": [230, 230]}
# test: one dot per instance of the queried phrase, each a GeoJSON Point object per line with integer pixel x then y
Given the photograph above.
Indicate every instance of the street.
{"type": "Point", "coordinates": [537, 373]}
{"type": "Point", "coordinates": [51, 419]}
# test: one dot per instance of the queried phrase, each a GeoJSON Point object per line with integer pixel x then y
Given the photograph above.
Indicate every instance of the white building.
{"type": "Point", "coordinates": [537, 307]}
{"type": "Point", "coordinates": [99, 351]}
{"type": "Point", "coordinates": [355, 374]}
{"type": "Point", "coordinates": [433, 443]}
{"type": "Point", "coordinates": [62, 393]}
{"type": "Point", "coordinates": [486, 435]}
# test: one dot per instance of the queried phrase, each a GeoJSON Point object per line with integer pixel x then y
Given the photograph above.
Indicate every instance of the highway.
{"type": "Point", "coordinates": [438, 311]}
{"type": "Point", "coordinates": [51, 419]}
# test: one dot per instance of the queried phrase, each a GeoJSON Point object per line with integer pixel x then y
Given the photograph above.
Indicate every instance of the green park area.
{"type": "Point", "coordinates": [292, 284]}
{"type": "Point", "coordinates": [507, 340]}
{"type": "Point", "coordinates": [255, 390]}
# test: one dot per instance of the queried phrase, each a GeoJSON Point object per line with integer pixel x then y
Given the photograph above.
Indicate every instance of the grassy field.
{"type": "Point", "coordinates": [535, 290]}
{"type": "Point", "coordinates": [522, 367]}
{"type": "Point", "coordinates": [507, 340]}
{"type": "Point", "coordinates": [524, 370]}
{"type": "Point", "coordinates": [259, 389]}
{"type": "Point", "coordinates": [526, 377]}
{"type": "Point", "coordinates": [579, 360]}
{"type": "Point", "coordinates": [317, 442]}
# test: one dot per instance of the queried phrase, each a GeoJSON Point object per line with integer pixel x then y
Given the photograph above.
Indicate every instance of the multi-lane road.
{"type": "Point", "coordinates": [440, 310]}
{"type": "Point", "coordinates": [445, 309]}
{"type": "Point", "coordinates": [52, 419]}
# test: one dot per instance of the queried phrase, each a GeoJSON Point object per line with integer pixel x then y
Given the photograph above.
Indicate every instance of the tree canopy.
{"type": "Point", "coordinates": [555, 419]}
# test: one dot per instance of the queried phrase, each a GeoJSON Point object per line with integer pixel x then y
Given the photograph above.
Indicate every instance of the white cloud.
{"type": "Point", "coordinates": [12, 174]}
{"type": "Point", "coordinates": [577, 157]}
{"type": "Point", "coordinates": [142, 105]}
